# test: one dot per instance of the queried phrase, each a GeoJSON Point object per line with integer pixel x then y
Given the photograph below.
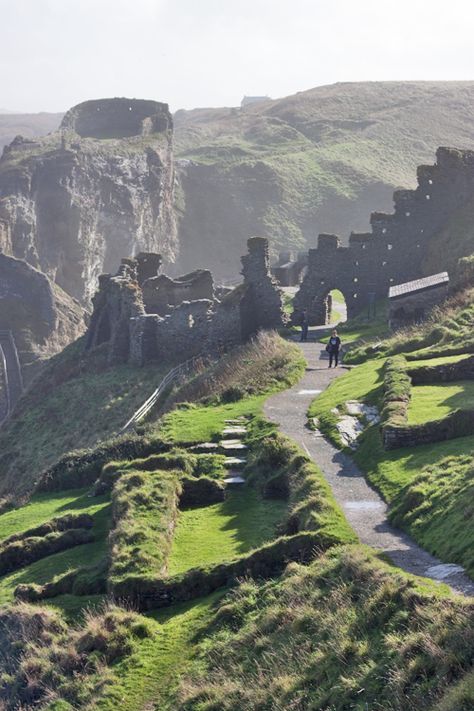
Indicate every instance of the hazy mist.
{"type": "Point", "coordinates": [55, 53]}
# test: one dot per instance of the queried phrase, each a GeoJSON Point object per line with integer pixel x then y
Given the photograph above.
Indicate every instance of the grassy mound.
{"type": "Point", "coordinates": [345, 632]}
{"type": "Point", "coordinates": [448, 331]}
{"type": "Point", "coordinates": [48, 664]}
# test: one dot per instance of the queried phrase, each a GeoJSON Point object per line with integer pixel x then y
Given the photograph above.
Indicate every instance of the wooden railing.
{"type": "Point", "coordinates": [171, 377]}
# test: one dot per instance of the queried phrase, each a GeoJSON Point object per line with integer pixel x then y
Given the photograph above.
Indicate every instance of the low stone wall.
{"type": "Point", "coordinates": [396, 432]}
{"type": "Point", "coordinates": [459, 423]}
{"type": "Point", "coordinates": [443, 373]}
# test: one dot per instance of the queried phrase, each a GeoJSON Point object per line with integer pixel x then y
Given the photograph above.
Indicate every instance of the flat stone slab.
{"type": "Point", "coordinates": [234, 462]}
{"type": "Point", "coordinates": [236, 421]}
{"type": "Point", "coordinates": [444, 570]}
{"type": "Point", "coordinates": [234, 431]}
{"type": "Point", "coordinates": [205, 447]}
{"type": "Point", "coordinates": [233, 444]}
{"type": "Point", "coordinates": [235, 480]}
{"type": "Point", "coordinates": [309, 392]}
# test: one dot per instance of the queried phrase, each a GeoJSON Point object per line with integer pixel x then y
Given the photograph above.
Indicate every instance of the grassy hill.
{"type": "Point", "coordinates": [318, 161]}
{"type": "Point", "coordinates": [243, 627]}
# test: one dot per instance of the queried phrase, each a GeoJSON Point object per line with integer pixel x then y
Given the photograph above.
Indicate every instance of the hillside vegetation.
{"type": "Point", "coordinates": [76, 402]}
{"type": "Point", "coordinates": [428, 487]}
{"type": "Point", "coordinates": [318, 161]}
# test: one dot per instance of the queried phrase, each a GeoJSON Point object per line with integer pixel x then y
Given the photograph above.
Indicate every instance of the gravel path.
{"type": "Point", "coordinates": [364, 508]}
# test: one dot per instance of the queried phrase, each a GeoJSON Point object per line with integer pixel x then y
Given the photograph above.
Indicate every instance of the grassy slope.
{"type": "Point", "coordinates": [148, 677]}
{"type": "Point", "coordinates": [319, 161]}
{"type": "Point", "coordinates": [343, 633]}
{"type": "Point", "coordinates": [74, 404]}
{"type": "Point", "coordinates": [440, 524]}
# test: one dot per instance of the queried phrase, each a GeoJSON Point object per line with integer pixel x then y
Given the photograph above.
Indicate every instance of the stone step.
{"type": "Point", "coordinates": [205, 447]}
{"type": "Point", "coordinates": [232, 446]}
{"type": "Point", "coordinates": [236, 479]}
{"type": "Point", "coordinates": [235, 462]}
{"type": "Point", "coordinates": [236, 421]}
{"type": "Point", "coordinates": [231, 431]}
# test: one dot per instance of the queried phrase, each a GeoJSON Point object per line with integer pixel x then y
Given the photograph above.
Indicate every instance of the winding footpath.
{"type": "Point", "coordinates": [364, 508]}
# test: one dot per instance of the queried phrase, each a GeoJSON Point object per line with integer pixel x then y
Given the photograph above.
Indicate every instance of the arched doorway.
{"type": "Point", "coordinates": [336, 307]}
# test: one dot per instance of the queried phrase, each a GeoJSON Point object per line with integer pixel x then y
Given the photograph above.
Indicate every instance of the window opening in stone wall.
{"type": "Point", "coordinates": [407, 214]}
{"type": "Point", "coordinates": [363, 246]}
{"type": "Point", "coordinates": [355, 279]}
{"type": "Point", "coordinates": [190, 321]}
{"type": "Point", "coordinates": [354, 296]}
{"type": "Point", "coordinates": [389, 247]}
{"type": "Point", "coordinates": [430, 181]}
{"type": "Point", "coordinates": [428, 197]}
{"type": "Point", "coordinates": [384, 231]}
{"type": "Point", "coordinates": [356, 263]}
{"type": "Point", "coordinates": [384, 264]}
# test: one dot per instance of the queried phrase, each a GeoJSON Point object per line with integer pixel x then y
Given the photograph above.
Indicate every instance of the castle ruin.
{"type": "Point", "coordinates": [394, 250]}
{"type": "Point", "coordinates": [158, 319]}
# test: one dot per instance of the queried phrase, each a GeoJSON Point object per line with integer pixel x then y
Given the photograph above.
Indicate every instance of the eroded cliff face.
{"type": "Point", "coordinates": [42, 318]}
{"type": "Point", "coordinates": [72, 203]}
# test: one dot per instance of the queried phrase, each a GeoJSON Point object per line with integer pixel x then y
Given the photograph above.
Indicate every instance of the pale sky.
{"type": "Point", "coordinates": [56, 53]}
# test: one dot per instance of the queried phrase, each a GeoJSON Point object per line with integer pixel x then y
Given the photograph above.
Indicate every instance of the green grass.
{"type": "Point", "coordinates": [338, 301]}
{"type": "Point", "coordinates": [147, 678]}
{"type": "Point", "coordinates": [193, 423]}
{"type": "Point", "coordinates": [44, 570]}
{"type": "Point", "coordinates": [432, 402]}
{"type": "Point", "coordinates": [220, 532]}
{"type": "Point", "coordinates": [361, 383]}
{"type": "Point", "coordinates": [441, 360]}
{"type": "Point", "coordinates": [43, 507]}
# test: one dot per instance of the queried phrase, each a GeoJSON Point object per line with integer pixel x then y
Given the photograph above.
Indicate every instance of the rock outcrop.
{"type": "Point", "coordinates": [73, 202]}
{"type": "Point", "coordinates": [41, 317]}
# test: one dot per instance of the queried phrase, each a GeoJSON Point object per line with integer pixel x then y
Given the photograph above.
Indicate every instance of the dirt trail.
{"type": "Point", "coordinates": [364, 508]}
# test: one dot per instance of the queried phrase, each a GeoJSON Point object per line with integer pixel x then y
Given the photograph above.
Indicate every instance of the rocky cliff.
{"type": "Point", "coordinates": [72, 203]}
{"type": "Point", "coordinates": [42, 318]}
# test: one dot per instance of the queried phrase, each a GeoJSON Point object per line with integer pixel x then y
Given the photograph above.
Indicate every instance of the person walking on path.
{"type": "Point", "coordinates": [304, 323]}
{"type": "Point", "coordinates": [333, 347]}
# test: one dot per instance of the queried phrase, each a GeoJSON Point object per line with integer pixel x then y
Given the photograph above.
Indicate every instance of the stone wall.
{"type": "Point", "coordinates": [443, 373]}
{"type": "Point", "coordinates": [152, 322]}
{"type": "Point", "coordinates": [161, 293]}
{"type": "Point", "coordinates": [117, 118]}
{"type": "Point", "coordinates": [413, 308]}
{"type": "Point", "coordinates": [262, 305]}
{"type": "Point", "coordinates": [459, 423]}
{"type": "Point", "coordinates": [393, 251]}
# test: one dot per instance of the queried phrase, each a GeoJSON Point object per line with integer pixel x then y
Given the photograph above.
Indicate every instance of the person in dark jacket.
{"type": "Point", "coordinates": [304, 323]}
{"type": "Point", "coordinates": [333, 347]}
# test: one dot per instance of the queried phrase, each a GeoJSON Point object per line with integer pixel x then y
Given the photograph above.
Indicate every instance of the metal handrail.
{"type": "Point", "coordinates": [170, 377]}
{"type": "Point", "coordinates": [7, 334]}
